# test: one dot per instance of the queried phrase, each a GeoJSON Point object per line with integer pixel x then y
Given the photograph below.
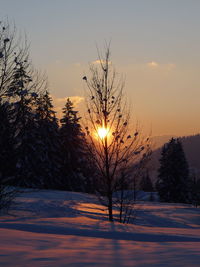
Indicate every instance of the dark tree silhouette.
{"type": "Point", "coordinates": [195, 190]}
{"type": "Point", "coordinates": [113, 144]}
{"type": "Point", "coordinates": [11, 52]}
{"type": "Point", "coordinates": [19, 85]}
{"type": "Point", "coordinates": [48, 135]}
{"type": "Point", "coordinates": [173, 174]}
{"type": "Point", "coordinates": [23, 124]}
{"type": "Point", "coordinates": [6, 144]}
{"type": "Point", "coordinates": [73, 149]}
{"type": "Point", "coordinates": [146, 183]}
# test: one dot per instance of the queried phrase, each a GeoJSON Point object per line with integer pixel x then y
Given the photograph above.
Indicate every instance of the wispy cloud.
{"type": "Point", "coordinates": [153, 64]}
{"type": "Point", "coordinates": [59, 102]}
{"type": "Point", "coordinates": [99, 61]}
{"type": "Point", "coordinates": [62, 100]}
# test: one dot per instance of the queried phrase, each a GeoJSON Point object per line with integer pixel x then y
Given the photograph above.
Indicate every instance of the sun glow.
{"type": "Point", "coordinates": [102, 132]}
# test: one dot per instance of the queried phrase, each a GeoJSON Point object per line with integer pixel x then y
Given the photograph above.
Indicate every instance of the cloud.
{"type": "Point", "coordinates": [153, 64]}
{"type": "Point", "coordinates": [75, 99]}
{"type": "Point", "coordinates": [99, 61]}
{"type": "Point", "coordinates": [59, 102]}
{"type": "Point", "coordinates": [161, 66]}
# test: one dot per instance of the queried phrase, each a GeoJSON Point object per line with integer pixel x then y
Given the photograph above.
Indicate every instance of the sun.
{"type": "Point", "coordinates": [102, 132]}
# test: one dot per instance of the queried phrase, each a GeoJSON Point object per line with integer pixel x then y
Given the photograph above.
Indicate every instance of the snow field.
{"type": "Point", "coordinates": [53, 228]}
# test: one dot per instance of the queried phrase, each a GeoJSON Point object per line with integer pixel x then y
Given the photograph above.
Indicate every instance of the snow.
{"type": "Point", "coordinates": [57, 228]}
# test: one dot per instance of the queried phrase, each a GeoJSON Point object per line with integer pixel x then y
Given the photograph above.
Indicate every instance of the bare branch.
{"type": "Point", "coordinates": [118, 152]}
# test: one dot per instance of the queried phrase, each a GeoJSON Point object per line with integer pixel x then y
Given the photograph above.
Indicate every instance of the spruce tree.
{"type": "Point", "coordinates": [146, 183]}
{"type": "Point", "coordinates": [19, 131]}
{"type": "Point", "coordinates": [49, 162]}
{"type": "Point", "coordinates": [7, 193]}
{"type": "Point", "coordinates": [195, 190]}
{"type": "Point", "coordinates": [173, 174]}
{"type": "Point", "coordinates": [6, 144]}
{"type": "Point", "coordinates": [73, 150]}
{"type": "Point", "coordinates": [22, 122]}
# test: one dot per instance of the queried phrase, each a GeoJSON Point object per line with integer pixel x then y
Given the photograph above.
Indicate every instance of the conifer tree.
{"type": "Point", "coordinates": [173, 174]}
{"type": "Point", "coordinates": [195, 190]}
{"type": "Point", "coordinates": [146, 183]}
{"type": "Point", "coordinates": [74, 156]}
{"type": "Point", "coordinates": [22, 122]}
{"type": "Point", "coordinates": [49, 160]}
{"type": "Point", "coordinates": [6, 143]}
{"type": "Point", "coordinates": [7, 193]}
{"type": "Point", "coordinates": [19, 142]}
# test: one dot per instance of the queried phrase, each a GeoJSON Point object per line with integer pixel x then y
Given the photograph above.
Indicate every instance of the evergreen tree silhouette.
{"type": "Point", "coordinates": [74, 156]}
{"type": "Point", "coordinates": [49, 164]}
{"type": "Point", "coordinates": [22, 123]}
{"type": "Point", "coordinates": [173, 174]}
{"type": "Point", "coordinates": [146, 184]}
{"type": "Point", "coordinates": [6, 144]}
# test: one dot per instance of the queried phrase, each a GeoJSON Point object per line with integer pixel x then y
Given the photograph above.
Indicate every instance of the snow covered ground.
{"type": "Point", "coordinates": [52, 228]}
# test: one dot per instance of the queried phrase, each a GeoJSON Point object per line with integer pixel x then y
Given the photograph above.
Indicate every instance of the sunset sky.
{"type": "Point", "coordinates": [155, 44]}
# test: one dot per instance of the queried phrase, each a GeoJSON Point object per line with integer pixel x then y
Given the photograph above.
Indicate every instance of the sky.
{"type": "Point", "coordinates": [155, 45]}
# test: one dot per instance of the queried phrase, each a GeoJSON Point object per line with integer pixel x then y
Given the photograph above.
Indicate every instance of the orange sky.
{"type": "Point", "coordinates": [163, 97]}
{"type": "Point", "coordinates": [155, 45]}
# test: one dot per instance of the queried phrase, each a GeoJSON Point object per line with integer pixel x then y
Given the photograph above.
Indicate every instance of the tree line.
{"type": "Point", "coordinates": [37, 150]}
{"type": "Point", "coordinates": [176, 183]}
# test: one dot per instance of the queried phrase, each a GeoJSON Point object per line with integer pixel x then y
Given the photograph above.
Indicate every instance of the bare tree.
{"type": "Point", "coordinates": [115, 147]}
{"type": "Point", "coordinates": [9, 50]}
{"type": "Point", "coordinates": [14, 51]}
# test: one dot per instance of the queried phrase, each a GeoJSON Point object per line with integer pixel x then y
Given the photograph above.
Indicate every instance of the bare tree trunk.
{"type": "Point", "coordinates": [110, 202]}
{"type": "Point", "coordinates": [116, 151]}
{"type": "Point", "coordinates": [121, 206]}
{"type": "Point", "coordinates": [110, 207]}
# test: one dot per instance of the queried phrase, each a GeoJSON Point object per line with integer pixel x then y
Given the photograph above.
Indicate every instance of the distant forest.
{"type": "Point", "coordinates": [191, 146]}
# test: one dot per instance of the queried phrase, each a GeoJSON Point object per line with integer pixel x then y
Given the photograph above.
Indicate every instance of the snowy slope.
{"type": "Point", "coordinates": [52, 228]}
